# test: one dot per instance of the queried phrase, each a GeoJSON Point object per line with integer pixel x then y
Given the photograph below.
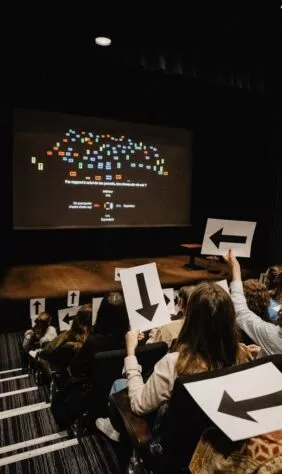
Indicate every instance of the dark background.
{"type": "Point", "coordinates": [213, 71]}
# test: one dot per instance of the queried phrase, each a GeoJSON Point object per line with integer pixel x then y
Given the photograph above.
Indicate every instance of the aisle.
{"type": "Point", "coordinates": [30, 439]}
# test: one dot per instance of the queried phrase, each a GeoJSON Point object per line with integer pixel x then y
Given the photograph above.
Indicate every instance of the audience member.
{"type": "Point", "coordinates": [208, 340]}
{"type": "Point", "coordinates": [109, 331]}
{"type": "Point", "coordinates": [257, 297]}
{"type": "Point", "coordinates": [273, 282]}
{"type": "Point", "coordinates": [169, 332]}
{"type": "Point", "coordinates": [41, 333]}
{"type": "Point", "coordinates": [265, 334]}
{"type": "Point", "coordinates": [63, 348]}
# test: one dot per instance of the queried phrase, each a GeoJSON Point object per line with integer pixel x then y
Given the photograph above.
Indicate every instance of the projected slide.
{"type": "Point", "coordinates": [72, 171]}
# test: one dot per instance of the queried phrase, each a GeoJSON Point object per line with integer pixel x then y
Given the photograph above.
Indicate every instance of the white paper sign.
{"type": "Point", "coordinates": [96, 303]}
{"type": "Point", "coordinates": [222, 235]}
{"type": "Point", "coordinates": [65, 317]}
{"type": "Point", "coordinates": [242, 404]}
{"type": "Point", "coordinates": [73, 298]}
{"type": "Point", "coordinates": [117, 275]}
{"type": "Point", "coordinates": [224, 285]}
{"type": "Point", "coordinates": [144, 297]}
{"type": "Point", "coordinates": [36, 306]}
{"type": "Point", "coordinates": [169, 299]}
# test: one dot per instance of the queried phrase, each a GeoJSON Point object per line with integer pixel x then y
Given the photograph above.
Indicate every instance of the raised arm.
{"type": "Point", "coordinates": [262, 333]}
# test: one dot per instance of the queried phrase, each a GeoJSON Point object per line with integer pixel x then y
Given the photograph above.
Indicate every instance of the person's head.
{"type": "Point", "coordinates": [273, 282]}
{"type": "Point", "coordinates": [209, 334]}
{"type": "Point", "coordinates": [112, 318]}
{"type": "Point", "coordinates": [81, 325]}
{"type": "Point", "coordinates": [257, 297]}
{"type": "Point", "coordinates": [183, 297]}
{"type": "Point", "coordinates": [41, 324]}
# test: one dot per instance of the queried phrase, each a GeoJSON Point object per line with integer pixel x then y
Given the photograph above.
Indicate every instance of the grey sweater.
{"type": "Point", "coordinates": [266, 335]}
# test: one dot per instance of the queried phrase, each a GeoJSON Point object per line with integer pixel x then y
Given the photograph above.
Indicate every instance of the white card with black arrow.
{"type": "Point", "coordinates": [117, 275]}
{"type": "Point", "coordinates": [96, 303]}
{"type": "Point", "coordinates": [222, 235]}
{"type": "Point", "coordinates": [144, 297]}
{"type": "Point", "coordinates": [36, 306]}
{"type": "Point", "coordinates": [242, 404]}
{"type": "Point", "coordinates": [65, 317]}
{"type": "Point", "coordinates": [169, 299]}
{"type": "Point", "coordinates": [73, 298]}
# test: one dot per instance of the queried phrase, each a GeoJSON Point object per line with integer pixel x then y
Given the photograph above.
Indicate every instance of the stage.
{"type": "Point", "coordinates": [92, 278]}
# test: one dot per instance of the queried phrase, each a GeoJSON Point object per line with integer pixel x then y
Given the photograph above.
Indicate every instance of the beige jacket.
{"type": "Point", "coordinates": [145, 398]}
{"type": "Point", "coordinates": [167, 333]}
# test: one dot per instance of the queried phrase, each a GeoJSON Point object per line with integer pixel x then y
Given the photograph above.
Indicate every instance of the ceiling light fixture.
{"type": "Point", "coordinates": [103, 41]}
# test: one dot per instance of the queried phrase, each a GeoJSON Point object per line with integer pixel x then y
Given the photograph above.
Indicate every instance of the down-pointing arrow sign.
{"type": "Point", "coordinates": [148, 310]}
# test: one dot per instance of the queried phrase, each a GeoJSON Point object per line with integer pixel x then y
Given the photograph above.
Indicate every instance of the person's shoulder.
{"type": "Point", "coordinates": [169, 359]}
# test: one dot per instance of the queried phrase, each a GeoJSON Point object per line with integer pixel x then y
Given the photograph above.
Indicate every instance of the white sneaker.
{"type": "Point", "coordinates": [105, 425]}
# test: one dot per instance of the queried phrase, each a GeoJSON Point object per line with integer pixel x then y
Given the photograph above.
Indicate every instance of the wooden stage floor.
{"type": "Point", "coordinates": [96, 277]}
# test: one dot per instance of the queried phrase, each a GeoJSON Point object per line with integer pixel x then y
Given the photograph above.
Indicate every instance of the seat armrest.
{"type": "Point", "coordinates": [126, 421]}
{"type": "Point", "coordinates": [46, 367]}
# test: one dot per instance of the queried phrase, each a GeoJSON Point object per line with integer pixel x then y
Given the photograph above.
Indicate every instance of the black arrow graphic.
{"type": "Point", "coordinates": [68, 318]}
{"type": "Point", "coordinates": [167, 300]}
{"type": "Point", "coordinates": [240, 408]}
{"type": "Point", "coordinates": [73, 295]}
{"type": "Point", "coordinates": [218, 237]}
{"type": "Point", "coordinates": [148, 310]}
{"type": "Point", "coordinates": [37, 304]}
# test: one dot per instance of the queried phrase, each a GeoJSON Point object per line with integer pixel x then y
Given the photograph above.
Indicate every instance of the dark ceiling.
{"type": "Point", "coordinates": [226, 45]}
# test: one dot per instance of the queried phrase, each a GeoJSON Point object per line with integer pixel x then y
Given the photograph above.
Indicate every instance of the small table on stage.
{"type": "Point", "coordinates": [193, 251]}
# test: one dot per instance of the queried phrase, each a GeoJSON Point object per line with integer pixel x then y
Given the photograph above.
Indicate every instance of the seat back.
{"type": "Point", "coordinates": [185, 421]}
{"type": "Point", "coordinates": [107, 367]}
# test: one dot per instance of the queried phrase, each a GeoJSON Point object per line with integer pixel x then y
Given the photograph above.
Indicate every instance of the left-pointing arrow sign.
{"type": "Point", "coordinates": [68, 318]}
{"type": "Point", "coordinates": [219, 237]}
{"type": "Point", "coordinates": [241, 408]}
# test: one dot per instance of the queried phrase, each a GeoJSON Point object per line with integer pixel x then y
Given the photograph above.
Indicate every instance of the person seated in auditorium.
{"type": "Point", "coordinates": [169, 332]}
{"type": "Point", "coordinates": [273, 282]}
{"type": "Point", "coordinates": [112, 324]}
{"type": "Point", "coordinates": [258, 300]}
{"type": "Point", "coordinates": [265, 334]}
{"type": "Point", "coordinates": [207, 341]}
{"type": "Point", "coordinates": [64, 347]}
{"type": "Point", "coordinates": [41, 333]}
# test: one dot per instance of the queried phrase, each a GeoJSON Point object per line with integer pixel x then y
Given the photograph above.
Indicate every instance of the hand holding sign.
{"type": "Point", "coordinates": [233, 264]}
{"type": "Point", "coordinates": [144, 297]}
{"type": "Point", "coordinates": [221, 234]}
{"type": "Point", "coordinates": [131, 340]}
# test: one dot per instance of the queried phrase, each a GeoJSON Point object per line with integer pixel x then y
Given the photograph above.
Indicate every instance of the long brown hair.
{"type": "Point", "coordinates": [209, 337]}
{"type": "Point", "coordinates": [81, 326]}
